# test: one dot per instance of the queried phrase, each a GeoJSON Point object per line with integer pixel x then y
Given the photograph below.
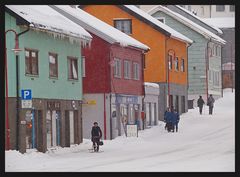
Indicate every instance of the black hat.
{"type": "Point", "coordinates": [95, 123]}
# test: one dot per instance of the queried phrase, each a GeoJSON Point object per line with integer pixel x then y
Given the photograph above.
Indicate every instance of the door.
{"type": "Point", "coordinates": [71, 124]}
{"type": "Point", "coordinates": [177, 103]}
{"type": "Point", "coordinates": [183, 104]}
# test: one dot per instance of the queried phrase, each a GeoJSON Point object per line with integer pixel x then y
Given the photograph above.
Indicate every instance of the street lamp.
{"type": "Point", "coordinates": [16, 50]}
{"type": "Point", "coordinates": [169, 52]}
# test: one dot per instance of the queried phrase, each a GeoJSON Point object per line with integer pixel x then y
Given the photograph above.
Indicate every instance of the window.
{"type": "Point", "coordinates": [169, 61]}
{"type": "Point", "coordinates": [53, 65]}
{"type": "Point", "coordinates": [182, 65]}
{"type": "Point", "coordinates": [216, 78]}
{"type": "Point", "coordinates": [127, 69]}
{"type": "Point", "coordinates": [136, 71]}
{"type": "Point", "coordinates": [176, 64]}
{"type": "Point", "coordinates": [117, 68]}
{"type": "Point", "coordinates": [31, 61]}
{"type": "Point", "coordinates": [161, 19]}
{"type": "Point", "coordinates": [72, 68]}
{"type": "Point", "coordinates": [83, 67]}
{"type": "Point", "coordinates": [219, 51]}
{"type": "Point", "coordinates": [210, 75]}
{"type": "Point", "coordinates": [124, 25]}
{"type": "Point", "coordinates": [220, 8]}
{"type": "Point", "coordinates": [232, 8]}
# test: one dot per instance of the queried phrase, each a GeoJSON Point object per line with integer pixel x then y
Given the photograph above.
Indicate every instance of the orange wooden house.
{"type": "Point", "coordinates": [165, 63]}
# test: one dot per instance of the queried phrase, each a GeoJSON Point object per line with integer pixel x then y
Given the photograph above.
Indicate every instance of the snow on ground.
{"type": "Point", "coordinates": [204, 143]}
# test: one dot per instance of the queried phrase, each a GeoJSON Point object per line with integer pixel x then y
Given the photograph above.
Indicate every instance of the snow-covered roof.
{"type": "Point", "coordinates": [98, 27]}
{"type": "Point", "coordinates": [200, 19]}
{"type": "Point", "coordinates": [44, 17]}
{"type": "Point", "coordinates": [150, 84]}
{"type": "Point", "coordinates": [146, 16]}
{"type": "Point", "coordinates": [206, 33]}
{"type": "Point", "coordinates": [221, 22]}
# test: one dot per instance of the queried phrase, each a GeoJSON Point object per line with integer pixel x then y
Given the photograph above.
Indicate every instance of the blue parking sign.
{"type": "Point", "coordinates": [26, 94]}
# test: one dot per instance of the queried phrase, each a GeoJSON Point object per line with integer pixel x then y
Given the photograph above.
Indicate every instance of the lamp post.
{"type": "Point", "coordinates": [16, 50]}
{"type": "Point", "coordinates": [231, 65]}
{"type": "Point", "coordinates": [168, 77]}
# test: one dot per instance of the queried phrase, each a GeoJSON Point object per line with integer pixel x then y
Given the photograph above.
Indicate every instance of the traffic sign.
{"type": "Point", "coordinates": [26, 94]}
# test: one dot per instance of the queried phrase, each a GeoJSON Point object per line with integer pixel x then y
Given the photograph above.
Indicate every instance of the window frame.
{"type": "Point", "coordinates": [176, 64]}
{"type": "Point", "coordinates": [128, 69]}
{"type": "Point", "coordinates": [117, 69]}
{"type": "Point", "coordinates": [182, 68]}
{"type": "Point", "coordinates": [83, 66]}
{"type": "Point", "coordinates": [56, 61]}
{"type": "Point", "coordinates": [218, 8]}
{"type": "Point", "coordinates": [170, 62]}
{"type": "Point", "coordinates": [69, 59]}
{"type": "Point", "coordinates": [122, 21]}
{"type": "Point", "coordinates": [136, 71]}
{"type": "Point", "coordinates": [30, 62]}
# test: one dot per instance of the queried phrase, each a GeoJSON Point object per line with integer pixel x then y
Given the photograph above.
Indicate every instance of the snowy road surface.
{"type": "Point", "coordinates": [203, 143]}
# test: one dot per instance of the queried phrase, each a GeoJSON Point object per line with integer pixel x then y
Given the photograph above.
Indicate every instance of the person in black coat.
{"type": "Point", "coordinates": [96, 136]}
{"type": "Point", "coordinates": [210, 103]}
{"type": "Point", "coordinates": [200, 103]}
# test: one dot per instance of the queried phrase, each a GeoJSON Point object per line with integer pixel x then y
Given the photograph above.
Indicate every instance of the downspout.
{"type": "Point", "coordinates": [207, 66]}
{"type": "Point", "coordinates": [143, 86]}
{"type": "Point", "coordinates": [110, 87]}
{"type": "Point", "coordinates": [17, 90]}
{"type": "Point", "coordinates": [167, 72]}
{"type": "Point", "coordinates": [188, 45]}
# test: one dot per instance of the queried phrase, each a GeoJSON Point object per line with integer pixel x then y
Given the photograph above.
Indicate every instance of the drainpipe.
{"type": "Point", "coordinates": [17, 91]}
{"type": "Point", "coordinates": [110, 91]}
{"type": "Point", "coordinates": [207, 66]}
{"type": "Point", "coordinates": [143, 86]}
{"type": "Point", "coordinates": [188, 45]}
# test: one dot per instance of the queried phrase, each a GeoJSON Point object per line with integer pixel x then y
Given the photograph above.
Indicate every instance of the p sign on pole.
{"type": "Point", "coordinates": [26, 98]}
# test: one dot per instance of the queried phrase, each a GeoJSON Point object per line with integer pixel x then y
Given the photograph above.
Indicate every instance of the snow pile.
{"type": "Point", "coordinates": [221, 22]}
{"type": "Point", "coordinates": [158, 23]}
{"type": "Point", "coordinates": [204, 143]}
{"type": "Point", "coordinates": [150, 84]}
{"type": "Point", "coordinates": [98, 27]}
{"type": "Point", "coordinates": [45, 18]}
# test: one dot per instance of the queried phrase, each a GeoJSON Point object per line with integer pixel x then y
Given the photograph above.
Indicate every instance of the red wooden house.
{"type": "Point", "coordinates": [113, 76]}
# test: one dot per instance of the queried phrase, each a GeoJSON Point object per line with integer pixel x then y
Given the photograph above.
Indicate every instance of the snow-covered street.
{"type": "Point", "coordinates": [204, 143]}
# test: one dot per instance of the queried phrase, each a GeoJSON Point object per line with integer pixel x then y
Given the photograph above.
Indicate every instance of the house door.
{"type": "Point", "coordinates": [177, 103]}
{"type": "Point", "coordinates": [70, 127]}
{"type": "Point", "coordinates": [53, 128]}
{"type": "Point", "coordinates": [183, 104]}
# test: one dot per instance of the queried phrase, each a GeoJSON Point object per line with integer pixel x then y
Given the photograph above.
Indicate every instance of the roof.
{"type": "Point", "coordinates": [221, 22]}
{"type": "Point", "coordinates": [206, 33]}
{"type": "Point", "coordinates": [98, 27]}
{"type": "Point", "coordinates": [44, 17]}
{"type": "Point", "coordinates": [156, 23]}
{"type": "Point", "coordinates": [200, 19]}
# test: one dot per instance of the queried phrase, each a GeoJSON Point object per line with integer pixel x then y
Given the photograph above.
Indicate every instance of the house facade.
{"type": "Point", "coordinates": [50, 67]}
{"type": "Point", "coordinates": [171, 46]}
{"type": "Point", "coordinates": [113, 76]}
{"type": "Point", "coordinates": [204, 67]}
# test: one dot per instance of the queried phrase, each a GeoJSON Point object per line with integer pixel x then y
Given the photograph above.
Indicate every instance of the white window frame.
{"type": "Point", "coordinates": [121, 26]}
{"type": "Point", "coordinates": [136, 69]}
{"type": "Point", "coordinates": [117, 68]}
{"type": "Point", "coordinates": [127, 69]}
{"type": "Point", "coordinates": [182, 65]}
{"type": "Point", "coordinates": [83, 66]}
{"type": "Point", "coordinates": [176, 64]}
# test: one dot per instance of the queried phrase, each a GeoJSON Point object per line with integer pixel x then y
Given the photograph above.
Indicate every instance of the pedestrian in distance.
{"type": "Point", "coordinates": [165, 117]}
{"type": "Point", "coordinates": [96, 136]}
{"type": "Point", "coordinates": [200, 103]}
{"type": "Point", "coordinates": [210, 103]}
{"type": "Point", "coordinates": [176, 118]}
{"type": "Point", "coordinates": [169, 121]}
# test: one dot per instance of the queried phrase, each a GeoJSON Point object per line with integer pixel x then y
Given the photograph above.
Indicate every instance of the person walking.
{"type": "Point", "coordinates": [210, 103]}
{"type": "Point", "coordinates": [200, 103]}
{"type": "Point", "coordinates": [96, 136]}
{"type": "Point", "coordinates": [175, 120]}
{"type": "Point", "coordinates": [165, 117]}
{"type": "Point", "coordinates": [169, 117]}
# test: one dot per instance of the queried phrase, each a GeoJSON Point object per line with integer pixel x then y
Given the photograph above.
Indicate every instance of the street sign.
{"type": "Point", "coordinates": [26, 103]}
{"type": "Point", "coordinates": [26, 94]}
{"type": "Point", "coordinates": [26, 98]}
{"type": "Point", "coordinates": [132, 130]}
